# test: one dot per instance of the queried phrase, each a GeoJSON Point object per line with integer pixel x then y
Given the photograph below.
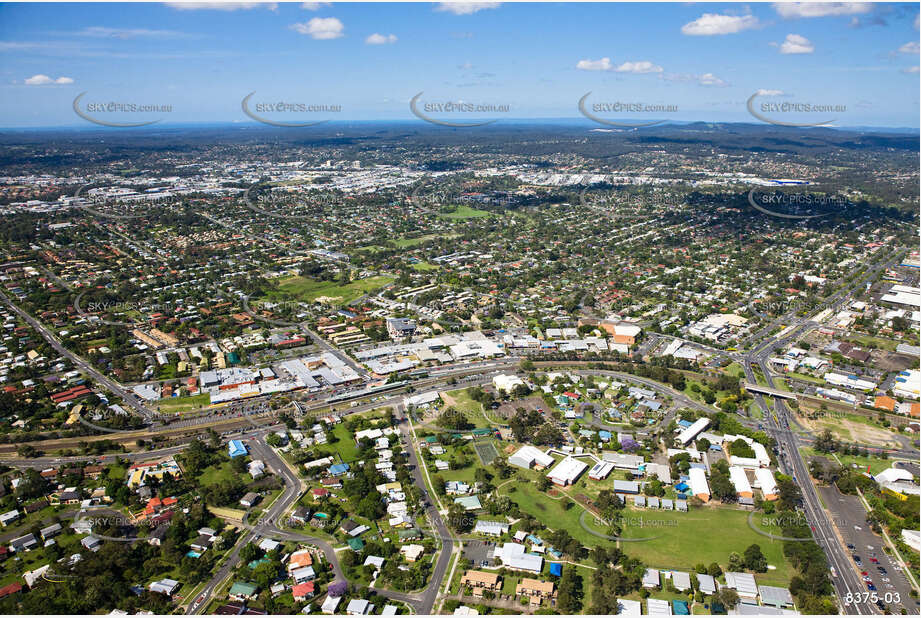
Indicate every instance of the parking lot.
{"type": "Point", "coordinates": [881, 571]}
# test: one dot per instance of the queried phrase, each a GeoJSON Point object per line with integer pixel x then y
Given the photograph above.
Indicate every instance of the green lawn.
{"type": "Point", "coordinates": [464, 212]}
{"type": "Point", "coordinates": [551, 512]}
{"type": "Point", "coordinates": [177, 405]}
{"type": "Point", "coordinates": [473, 410]}
{"type": "Point", "coordinates": [306, 289]}
{"type": "Point", "coordinates": [403, 243]}
{"type": "Point", "coordinates": [425, 267]}
{"type": "Point", "coordinates": [876, 464]}
{"type": "Point", "coordinates": [216, 474]}
{"type": "Point", "coordinates": [704, 534]}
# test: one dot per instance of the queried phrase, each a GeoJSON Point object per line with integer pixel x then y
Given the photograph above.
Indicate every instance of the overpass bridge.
{"type": "Point", "coordinates": [767, 390]}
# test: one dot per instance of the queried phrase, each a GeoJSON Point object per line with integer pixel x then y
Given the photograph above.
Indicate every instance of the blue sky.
{"type": "Point", "coordinates": [539, 59]}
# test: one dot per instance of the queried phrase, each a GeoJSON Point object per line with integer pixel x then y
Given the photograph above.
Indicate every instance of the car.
{"type": "Point", "coordinates": [851, 546]}
{"type": "Point", "coordinates": [886, 579]}
{"type": "Point", "coordinates": [870, 586]}
{"type": "Point", "coordinates": [855, 557]}
{"type": "Point", "coordinates": [882, 570]}
{"type": "Point", "coordinates": [874, 560]}
{"type": "Point", "coordinates": [864, 573]}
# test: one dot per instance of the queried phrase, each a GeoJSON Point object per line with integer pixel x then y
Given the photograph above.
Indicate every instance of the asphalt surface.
{"type": "Point", "coordinates": [851, 519]}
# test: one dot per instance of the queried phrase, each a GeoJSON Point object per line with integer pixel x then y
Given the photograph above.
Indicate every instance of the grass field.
{"type": "Point", "coordinates": [464, 212]}
{"type": "Point", "coordinates": [876, 464]}
{"type": "Point", "coordinates": [404, 243]}
{"type": "Point", "coordinates": [178, 405]}
{"type": "Point", "coordinates": [216, 474]}
{"type": "Point", "coordinates": [425, 267]}
{"type": "Point", "coordinates": [473, 410]}
{"type": "Point", "coordinates": [552, 512]}
{"type": "Point", "coordinates": [307, 290]}
{"type": "Point", "coordinates": [707, 534]}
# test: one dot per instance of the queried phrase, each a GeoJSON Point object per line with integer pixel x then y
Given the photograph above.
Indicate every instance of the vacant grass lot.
{"type": "Point", "coordinates": [465, 212]}
{"type": "Point", "coordinates": [702, 535]}
{"type": "Point", "coordinates": [178, 405]}
{"type": "Point", "coordinates": [307, 290]}
{"type": "Point", "coordinates": [876, 464]}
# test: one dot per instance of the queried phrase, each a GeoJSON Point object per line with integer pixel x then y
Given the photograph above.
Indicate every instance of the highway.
{"type": "Point", "coordinates": [791, 460]}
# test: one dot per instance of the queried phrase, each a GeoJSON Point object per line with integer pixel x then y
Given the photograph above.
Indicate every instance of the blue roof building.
{"type": "Point", "coordinates": [236, 448]}
{"type": "Point", "coordinates": [556, 568]}
{"type": "Point", "coordinates": [338, 469]}
{"type": "Point", "coordinates": [604, 436]}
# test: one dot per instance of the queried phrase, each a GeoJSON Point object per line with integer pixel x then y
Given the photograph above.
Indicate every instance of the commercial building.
{"type": "Point", "coordinates": [567, 471]}
{"type": "Point", "coordinates": [513, 556]}
{"type": "Point", "coordinates": [528, 456]}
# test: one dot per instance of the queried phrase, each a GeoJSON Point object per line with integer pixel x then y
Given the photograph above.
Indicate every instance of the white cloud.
{"type": "Point", "coordinates": [710, 24]}
{"type": "Point", "coordinates": [44, 80]}
{"type": "Point", "coordinates": [604, 64]}
{"type": "Point", "coordinates": [796, 44]}
{"type": "Point", "coordinates": [911, 70]}
{"type": "Point", "coordinates": [706, 79]}
{"type": "Point", "coordinates": [129, 33]}
{"type": "Point", "coordinates": [221, 6]}
{"type": "Point", "coordinates": [644, 66]}
{"type": "Point", "coordinates": [465, 8]}
{"type": "Point", "coordinates": [595, 65]}
{"type": "Point", "coordinates": [911, 47]}
{"type": "Point", "coordinates": [314, 6]}
{"type": "Point", "coordinates": [709, 79]}
{"type": "Point", "coordinates": [320, 28]}
{"type": "Point", "coordinates": [381, 39]}
{"type": "Point", "coordinates": [770, 93]}
{"type": "Point", "coordinates": [794, 10]}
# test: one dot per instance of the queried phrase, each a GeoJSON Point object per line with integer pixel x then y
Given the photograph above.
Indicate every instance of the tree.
{"type": "Point", "coordinates": [714, 570]}
{"type": "Point", "coordinates": [754, 559]}
{"type": "Point", "coordinates": [569, 599]}
{"type": "Point", "coordinates": [729, 598]}
{"type": "Point", "coordinates": [735, 562]}
{"type": "Point", "coordinates": [458, 519]}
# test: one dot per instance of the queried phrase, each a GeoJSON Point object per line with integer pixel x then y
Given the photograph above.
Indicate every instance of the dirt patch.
{"type": "Point", "coordinates": [850, 431]}
{"type": "Point", "coordinates": [890, 361]}
{"type": "Point", "coordinates": [510, 408]}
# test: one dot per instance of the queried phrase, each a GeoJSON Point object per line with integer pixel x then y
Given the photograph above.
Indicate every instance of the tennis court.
{"type": "Point", "coordinates": [485, 450]}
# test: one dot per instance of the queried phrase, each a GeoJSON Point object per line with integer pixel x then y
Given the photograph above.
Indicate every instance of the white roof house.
{"type": "Point", "coordinates": [891, 475]}
{"type": "Point", "coordinates": [651, 578]}
{"type": "Point", "coordinates": [689, 433]}
{"type": "Point", "coordinates": [527, 456]}
{"type": "Point", "coordinates": [681, 580]}
{"type": "Point", "coordinates": [743, 583]}
{"type": "Point", "coordinates": [699, 485]}
{"type": "Point", "coordinates": [626, 607]}
{"type": "Point", "coordinates": [740, 481]}
{"type": "Point", "coordinates": [567, 471]}
{"type": "Point", "coordinates": [706, 583]}
{"type": "Point", "coordinates": [492, 528]}
{"type": "Point", "coordinates": [766, 483]}
{"type": "Point", "coordinates": [330, 604]}
{"type": "Point", "coordinates": [658, 607]}
{"type": "Point", "coordinates": [513, 556]}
